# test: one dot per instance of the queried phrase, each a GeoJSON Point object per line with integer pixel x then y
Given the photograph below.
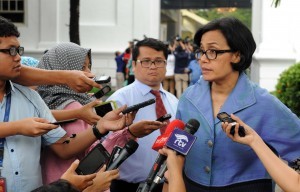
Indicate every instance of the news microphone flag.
{"type": "Point", "coordinates": [181, 141]}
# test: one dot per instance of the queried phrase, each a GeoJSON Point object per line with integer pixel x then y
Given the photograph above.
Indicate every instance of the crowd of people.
{"type": "Point", "coordinates": [40, 156]}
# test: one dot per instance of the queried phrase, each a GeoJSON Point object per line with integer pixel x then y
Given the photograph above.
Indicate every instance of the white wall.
{"type": "Point", "coordinates": [276, 32]}
{"type": "Point", "coordinates": [105, 26]}
{"type": "Point", "coordinates": [108, 25]}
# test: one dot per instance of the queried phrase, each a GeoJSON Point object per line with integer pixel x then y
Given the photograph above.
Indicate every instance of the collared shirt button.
{"type": "Point", "coordinates": [207, 169]}
{"type": "Point", "coordinates": [12, 150]}
{"type": "Point", "coordinates": [210, 143]}
{"type": "Point", "coordinates": [16, 172]}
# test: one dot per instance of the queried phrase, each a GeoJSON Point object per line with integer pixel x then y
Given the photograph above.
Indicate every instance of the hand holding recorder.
{"type": "Point", "coordinates": [224, 117]}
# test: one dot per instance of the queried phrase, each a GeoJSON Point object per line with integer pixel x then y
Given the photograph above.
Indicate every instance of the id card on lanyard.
{"type": "Point", "coordinates": [2, 141]}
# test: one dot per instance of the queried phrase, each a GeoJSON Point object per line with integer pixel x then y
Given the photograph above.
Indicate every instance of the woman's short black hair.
{"type": "Point", "coordinates": [149, 42]}
{"type": "Point", "coordinates": [238, 37]}
{"type": "Point", "coordinates": [7, 28]}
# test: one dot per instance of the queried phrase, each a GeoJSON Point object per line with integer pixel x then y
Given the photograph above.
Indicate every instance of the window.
{"type": "Point", "coordinates": [13, 10]}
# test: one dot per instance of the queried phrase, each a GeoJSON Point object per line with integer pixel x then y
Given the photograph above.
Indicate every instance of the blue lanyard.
{"type": "Point", "coordinates": [6, 118]}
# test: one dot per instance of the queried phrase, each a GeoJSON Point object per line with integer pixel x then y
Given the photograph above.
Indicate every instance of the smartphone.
{"type": "Point", "coordinates": [93, 161]}
{"type": "Point", "coordinates": [138, 106]}
{"type": "Point", "coordinates": [224, 117]}
{"type": "Point", "coordinates": [114, 154]}
{"type": "Point", "coordinates": [164, 117]}
{"type": "Point", "coordinates": [102, 79]}
{"type": "Point", "coordinates": [106, 89]}
{"type": "Point", "coordinates": [64, 121]}
{"type": "Point", "coordinates": [105, 107]}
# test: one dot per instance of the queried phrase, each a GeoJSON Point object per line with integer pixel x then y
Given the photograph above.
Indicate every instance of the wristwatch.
{"type": "Point", "coordinates": [97, 133]}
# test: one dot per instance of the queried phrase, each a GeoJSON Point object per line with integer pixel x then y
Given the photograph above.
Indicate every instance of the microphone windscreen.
{"type": "Point", "coordinates": [192, 126]}
{"type": "Point", "coordinates": [131, 146]}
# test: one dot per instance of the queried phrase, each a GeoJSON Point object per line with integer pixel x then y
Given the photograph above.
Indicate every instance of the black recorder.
{"type": "Point", "coordinates": [224, 117]}
{"type": "Point", "coordinates": [165, 117]}
{"type": "Point", "coordinates": [114, 154]}
{"type": "Point", "coordinates": [63, 122]}
{"type": "Point", "coordinates": [138, 106]}
{"type": "Point", "coordinates": [106, 89]}
{"type": "Point", "coordinates": [93, 161]}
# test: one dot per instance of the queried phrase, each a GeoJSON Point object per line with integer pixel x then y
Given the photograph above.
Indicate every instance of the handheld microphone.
{"type": "Point", "coordinates": [181, 142]}
{"type": "Point", "coordinates": [130, 147]}
{"type": "Point", "coordinates": [158, 144]}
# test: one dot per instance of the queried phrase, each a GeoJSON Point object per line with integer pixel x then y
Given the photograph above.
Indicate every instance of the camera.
{"type": "Point", "coordinates": [178, 38]}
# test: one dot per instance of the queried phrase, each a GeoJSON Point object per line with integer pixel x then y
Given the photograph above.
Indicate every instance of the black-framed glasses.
{"type": "Point", "coordinates": [13, 51]}
{"type": "Point", "coordinates": [210, 53]}
{"type": "Point", "coordinates": [160, 63]}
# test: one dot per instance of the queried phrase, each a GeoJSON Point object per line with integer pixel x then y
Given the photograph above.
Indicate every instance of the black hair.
{"type": "Point", "coordinates": [57, 186]}
{"type": "Point", "coordinates": [127, 50]}
{"type": "Point", "coordinates": [117, 53]}
{"type": "Point", "coordinates": [7, 28]}
{"type": "Point", "coordinates": [149, 42]}
{"type": "Point", "coordinates": [238, 37]}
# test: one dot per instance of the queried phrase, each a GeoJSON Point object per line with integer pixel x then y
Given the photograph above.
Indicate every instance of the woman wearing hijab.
{"type": "Point", "coordinates": [64, 56]}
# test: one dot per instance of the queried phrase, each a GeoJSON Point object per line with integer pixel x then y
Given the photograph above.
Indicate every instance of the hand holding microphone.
{"type": "Point", "coordinates": [181, 142]}
{"type": "Point", "coordinates": [175, 164]}
{"type": "Point", "coordinates": [158, 144]}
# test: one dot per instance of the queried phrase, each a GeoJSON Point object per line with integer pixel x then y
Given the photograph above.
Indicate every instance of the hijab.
{"type": "Point", "coordinates": [64, 56]}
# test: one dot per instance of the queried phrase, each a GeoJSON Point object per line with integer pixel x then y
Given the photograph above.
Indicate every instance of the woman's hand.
{"type": "Point", "coordinates": [87, 112]}
{"type": "Point", "coordinates": [79, 181]}
{"type": "Point", "coordinates": [250, 136]}
{"type": "Point", "coordinates": [103, 180]}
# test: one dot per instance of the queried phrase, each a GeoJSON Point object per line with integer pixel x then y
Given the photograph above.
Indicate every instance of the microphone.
{"type": "Point", "coordinates": [158, 144]}
{"type": "Point", "coordinates": [181, 142]}
{"type": "Point", "coordinates": [130, 147]}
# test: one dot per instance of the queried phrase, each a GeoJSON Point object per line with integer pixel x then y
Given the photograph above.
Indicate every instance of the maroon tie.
{"type": "Point", "coordinates": [159, 108]}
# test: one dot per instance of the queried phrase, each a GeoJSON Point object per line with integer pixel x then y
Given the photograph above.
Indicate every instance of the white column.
{"type": "Point", "coordinates": [276, 31]}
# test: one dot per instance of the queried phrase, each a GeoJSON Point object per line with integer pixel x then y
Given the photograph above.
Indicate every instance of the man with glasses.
{"type": "Point", "coordinates": [149, 66]}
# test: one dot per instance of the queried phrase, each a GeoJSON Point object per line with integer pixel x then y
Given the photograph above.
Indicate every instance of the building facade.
{"type": "Point", "coordinates": [108, 25]}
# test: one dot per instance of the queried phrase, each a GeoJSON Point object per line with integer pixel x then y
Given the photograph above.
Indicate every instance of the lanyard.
{"type": "Point", "coordinates": [6, 118]}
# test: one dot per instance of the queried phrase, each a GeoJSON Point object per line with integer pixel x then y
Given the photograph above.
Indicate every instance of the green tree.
{"type": "Point", "coordinates": [243, 15]}
{"type": "Point", "coordinates": [288, 88]}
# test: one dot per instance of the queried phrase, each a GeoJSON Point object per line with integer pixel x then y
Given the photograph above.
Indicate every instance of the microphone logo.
{"type": "Point", "coordinates": [181, 140]}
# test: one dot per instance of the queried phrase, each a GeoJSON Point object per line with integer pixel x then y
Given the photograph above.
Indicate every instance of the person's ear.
{"type": "Point", "coordinates": [133, 65]}
{"type": "Point", "coordinates": [236, 57]}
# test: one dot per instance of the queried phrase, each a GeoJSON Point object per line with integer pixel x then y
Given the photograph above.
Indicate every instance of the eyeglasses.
{"type": "Point", "coordinates": [210, 53]}
{"type": "Point", "coordinates": [13, 51]}
{"type": "Point", "coordinates": [147, 63]}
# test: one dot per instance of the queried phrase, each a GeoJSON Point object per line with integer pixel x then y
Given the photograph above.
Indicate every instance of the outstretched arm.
{"type": "Point", "coordinates": [85, 113]}
{"type": "Point", "coordinates": [287, 178]}
{"type": "Point", "coordinates": [112, 121]}
{"type": "Point", "coordinates": [77, 80]}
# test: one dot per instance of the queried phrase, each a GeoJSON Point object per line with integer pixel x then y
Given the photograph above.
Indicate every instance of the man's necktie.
{"type": "Point", "coordinates": [159, 108]}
